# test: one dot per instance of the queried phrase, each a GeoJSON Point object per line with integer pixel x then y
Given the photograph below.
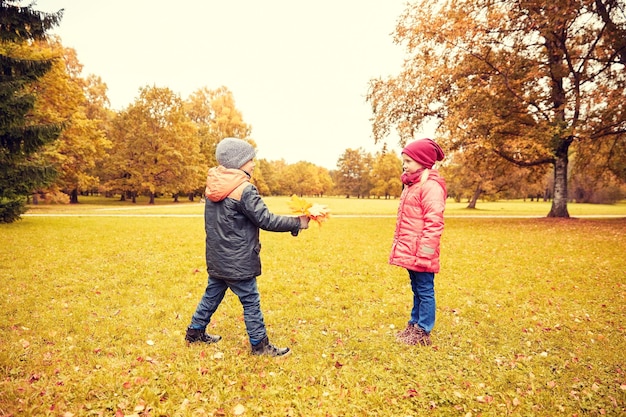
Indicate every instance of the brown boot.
{"type": "Point", "coordinates": [401, 336]}
{"type": "Point", "coordinates": [197, 336]}
{"type": "Point", "coordinates": [266, 348]}
{"type": "Point", "coordinates": [423, 338]}
{"type": "Point", "coordinates": [410, 335]}
{"type": "Point", "coordinates": [414, 335]}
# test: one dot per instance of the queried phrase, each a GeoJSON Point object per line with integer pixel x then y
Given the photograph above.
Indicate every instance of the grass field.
{"type": "Point", "coordinates": [530, 316]}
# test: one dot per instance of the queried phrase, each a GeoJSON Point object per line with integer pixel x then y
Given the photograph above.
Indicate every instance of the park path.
{"type": "Point", "coordinates": [335, 216]}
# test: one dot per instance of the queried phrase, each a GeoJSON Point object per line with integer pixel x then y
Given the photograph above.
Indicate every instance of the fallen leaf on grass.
{"type": "Point", "coordinates": [239, 410]}
{"type": "Point", "coordinates": [484, 399]}
{"type": "Point", "coordinates": [411, 392]}
{"type": "Point", "coordinates": [370, 389]}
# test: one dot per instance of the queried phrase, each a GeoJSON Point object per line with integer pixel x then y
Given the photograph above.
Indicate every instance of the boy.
{"type": "Point", "coordinates": [233, 215]}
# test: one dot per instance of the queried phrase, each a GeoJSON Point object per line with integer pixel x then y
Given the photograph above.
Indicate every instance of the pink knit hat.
{"type": "Point", "coordinates": [424, 151]}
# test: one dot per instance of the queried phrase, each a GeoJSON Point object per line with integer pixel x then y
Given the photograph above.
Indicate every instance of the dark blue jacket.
{"type": "Point", "coordinates": [234, 213]}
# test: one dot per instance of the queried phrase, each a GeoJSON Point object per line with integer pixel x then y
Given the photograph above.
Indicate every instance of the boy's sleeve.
{"type": "Point", "coordinates": [253, 207]}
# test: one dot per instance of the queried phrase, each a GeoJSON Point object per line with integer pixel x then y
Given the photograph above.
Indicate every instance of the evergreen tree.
{"type": "Point", "coordinates": [20, 170]}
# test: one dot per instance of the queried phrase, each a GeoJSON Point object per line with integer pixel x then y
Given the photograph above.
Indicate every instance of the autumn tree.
{"type": "Point", "coordinates": [299, 178]}
{"type": "Point", "coordinates": [156, 148]}
{"type": "Point", "coordinates": [598, 173]}
{"type": "Point", "coordinates": [21, 171]}
{"type": "Point", "coordinates": [305, 178]}
{"type": "Point", "coordinates": [258, 179]}
{"type": "Point", "coordinates": [65, 97]}
{"type": "Point", "coordinates": [386, 174]}
{"type": "Point", "coordinates": [216, 117]}
{"type": "Point", "coordinates": [302, 178]}
{"type": "Point", "coordinates": [521, 78]}
{"type": "Point", "coordinates": [353, 173]}
{"type": "Point", "coordinates": [325, 181]}
{"type": "Point", "coordinates": [97, 108]}
{"type": "Point", "coordinates": [476, 174]}
{"type": "Point", "coordinates": [270, 176]}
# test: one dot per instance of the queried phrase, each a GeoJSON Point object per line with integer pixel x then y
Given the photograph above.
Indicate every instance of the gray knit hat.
{"type": "Point", "coordinates": [233, 153]}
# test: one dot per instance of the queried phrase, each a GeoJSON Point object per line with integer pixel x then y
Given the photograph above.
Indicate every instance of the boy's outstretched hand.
{"type": "Point", "coordinates": [304, 221]}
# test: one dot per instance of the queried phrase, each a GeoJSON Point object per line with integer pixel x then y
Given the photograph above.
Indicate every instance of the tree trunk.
{"type": "Point", "coordinates": [151, 198]}
{"type": "Point", "coordinates": [559, 200]}
{"type": "Point", "coordinates": [477, 192]}
{"type": "Point", "coordinates": [74, 196]}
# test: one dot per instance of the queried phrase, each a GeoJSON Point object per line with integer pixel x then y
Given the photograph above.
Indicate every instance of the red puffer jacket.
{"type": "Point", "coordinates": [420, 224]}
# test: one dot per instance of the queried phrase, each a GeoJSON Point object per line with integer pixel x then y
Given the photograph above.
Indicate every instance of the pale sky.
{"type": "Point", "coordinates": [298, 70]}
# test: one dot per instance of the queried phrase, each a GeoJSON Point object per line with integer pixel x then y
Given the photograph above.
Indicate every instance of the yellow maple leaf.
{"type": "Point", "coordinates": [316, 212]}
{"type": "Point", "coordinates": [298, 205]}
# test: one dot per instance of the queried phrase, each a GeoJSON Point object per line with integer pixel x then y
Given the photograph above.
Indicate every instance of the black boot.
{"type": "Point", "coordinates": [266, 348]}
{"type": "Point", "coordinates": [197, 335]}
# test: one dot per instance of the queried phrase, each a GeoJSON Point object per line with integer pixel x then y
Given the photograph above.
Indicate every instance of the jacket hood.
{"type": "Point", "coordinates": [434, 175]}
{"type": "Point", "coordinates": [220, 182]}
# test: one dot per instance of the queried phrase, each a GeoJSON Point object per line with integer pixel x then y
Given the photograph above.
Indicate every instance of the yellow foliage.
{"type": "Point", "coordinates": [316, 212]}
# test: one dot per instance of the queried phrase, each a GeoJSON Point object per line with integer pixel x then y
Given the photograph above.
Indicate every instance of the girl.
{"type": "Point", "coordinates": [418, 234]}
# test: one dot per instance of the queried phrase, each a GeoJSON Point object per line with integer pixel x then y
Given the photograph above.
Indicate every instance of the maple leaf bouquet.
{"type": "Point", "coordinates": [317, 212]}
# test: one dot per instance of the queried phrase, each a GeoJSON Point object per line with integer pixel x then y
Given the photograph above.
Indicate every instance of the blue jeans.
{"type": "Point", "coordinates": [249, 297]}
{"type": "Point", "coordinates": [423, 312]}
